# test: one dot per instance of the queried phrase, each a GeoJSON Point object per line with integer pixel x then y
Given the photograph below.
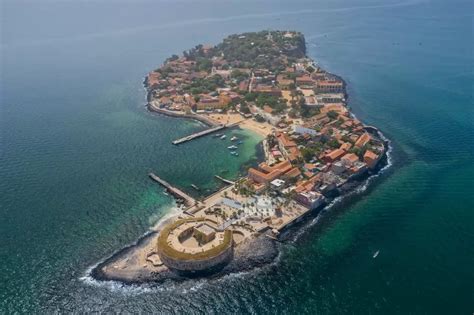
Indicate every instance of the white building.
{"type": "Point", "coordinates": [302, 130]}
{"type": "Point", "coordinates": [310, 199]}
{"type": "Point", "coordinates": [277, 184]}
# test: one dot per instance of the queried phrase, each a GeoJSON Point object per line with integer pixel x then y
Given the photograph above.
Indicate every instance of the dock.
{"type": "Point", "coordinates": [188, 200]}
{"type": "Point", "coordinates": [199, 134]}
{"type": "Point", "coordinates": [224, 180]}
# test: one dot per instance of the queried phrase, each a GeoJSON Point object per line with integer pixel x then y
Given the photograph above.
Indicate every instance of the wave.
{"type": "Point", "coordinates": [156, 223]}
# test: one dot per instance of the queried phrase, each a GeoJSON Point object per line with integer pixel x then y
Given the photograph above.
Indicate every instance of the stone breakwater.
{"type": "Point", "coordinates": [153, 107]}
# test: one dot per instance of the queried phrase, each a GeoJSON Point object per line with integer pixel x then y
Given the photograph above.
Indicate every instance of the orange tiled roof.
{"type": "Point", "coordinates": [329, 83]}
{"type": "Point", "coordinates": [350, 158]}
{"type": "Point", "coordinates": [294, 172]}
{"type": "Point", "coordinates": [267, 109]}
{"type": "Point", "coordinates": [334, 155]}
{"type": "Point", "coordinates": [370, 158]}
{"type": "Point", "coordinates": [363, 140]}
{"type": "Point", "coordinates": [345, 146]}
{"type": "Point", "coordinates": [153, 78]}
{"type": "Point", "coordinates": [285, 141]}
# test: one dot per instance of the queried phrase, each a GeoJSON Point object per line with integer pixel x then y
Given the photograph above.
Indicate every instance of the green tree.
{"type": "Point", "coordinates": [332, 114]}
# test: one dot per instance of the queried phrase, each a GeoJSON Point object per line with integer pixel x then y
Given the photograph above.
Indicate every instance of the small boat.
{"type": "Point", "coordinates": [376, 254]}
{"type": "Point", "coordinates": [194, 186]}
{"type": "Point", "coordinates": [240, 142]}
{"type": "Point", "coordinates": [223, 137]}
{"type": "Point", "coordinates": [234, 138]}
{"type": "Point", "coordinates": [232, 147]}
{"type": "Point", "coordinates": [217, 135]}
{"type": "Point", "coordinates": [234, 153]}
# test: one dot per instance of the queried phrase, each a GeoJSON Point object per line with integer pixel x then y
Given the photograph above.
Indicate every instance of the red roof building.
{"type": "Point", "coordinates": [370, 158]}
{"type": "Point", "coordinates": [363, 140]}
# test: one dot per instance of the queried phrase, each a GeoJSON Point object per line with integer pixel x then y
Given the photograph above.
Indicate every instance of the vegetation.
{"type": "Point", "coordinates": [238, 75]}
{"type": "Point", "coordinates": [205, 85]}
{"type": "Point", "coordinates": [259, 118]}
{"type": "Point", "coordinates": [244, 107]}
{"type": "Point", "coordinates": [203, 64]}
{"type": "Point", "coordinates": [333, 144]}
{"type": "Point", "coordinates": [307, 112]}
{"type": "Point", "coordinates": [261, 49]}
{"type": "Point", "coordinates": [332, 114]}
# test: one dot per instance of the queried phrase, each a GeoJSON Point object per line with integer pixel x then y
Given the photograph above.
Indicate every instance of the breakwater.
{"type": "Point", "coordinates": [188, 200]}
{"type": "Point", "coordinates": [198, 134]}
{"type": "Point", "coordinates": [153, 107]}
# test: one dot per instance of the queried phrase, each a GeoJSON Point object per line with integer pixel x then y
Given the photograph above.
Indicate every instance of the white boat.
{"type": "Point", "coordinates": [223, 137]}
{"type": "Point", "coordinates": [232, 147]}
{"type": "Point", "coordinates": [376, 254]}
{"type": "Point", "coordinates": [234, 138]}
{"type": "Point", "coordinates": [234, 153]}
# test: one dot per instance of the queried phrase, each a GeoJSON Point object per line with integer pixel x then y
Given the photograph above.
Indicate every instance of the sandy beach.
{"type": "Point", "coordinates": [263, 129]}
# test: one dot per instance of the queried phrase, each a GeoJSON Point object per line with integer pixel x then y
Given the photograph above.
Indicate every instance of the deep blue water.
{"type": "Point", "coordinates": [76, 144]}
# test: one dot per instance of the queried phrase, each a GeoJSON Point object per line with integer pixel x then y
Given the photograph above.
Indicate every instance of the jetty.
{"type": "Point", "coordinates": [188, 200]}
{"type": "Point", "coordinates": [224, 180]}
{"type": "Point", "coordinates": [198, 134]}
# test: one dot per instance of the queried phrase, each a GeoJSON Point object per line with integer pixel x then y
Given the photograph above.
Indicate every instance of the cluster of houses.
{"type": "Point", "coordinates": [167, 86]}
{"type": "Point", "coordinates": [337, 147]}
{"type": "Point", "coordinates": [352, 152]}
{"type": "Point", "coordinates": [345, 148]}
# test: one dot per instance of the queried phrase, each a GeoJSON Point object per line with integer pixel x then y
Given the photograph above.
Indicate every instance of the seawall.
{"type": "Point", "coordinates": [151, 106]}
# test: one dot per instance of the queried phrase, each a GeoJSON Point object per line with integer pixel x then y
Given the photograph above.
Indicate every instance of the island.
{"type": "Point", "coordinates": [314, 148]}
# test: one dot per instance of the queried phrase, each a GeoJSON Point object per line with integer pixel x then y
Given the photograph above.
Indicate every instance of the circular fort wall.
{"type": "Point", "coordinates": [201, 261]}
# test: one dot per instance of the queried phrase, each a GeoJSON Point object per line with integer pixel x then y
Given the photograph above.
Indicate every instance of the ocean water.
{"type": "Point", "coordinates": [76, 145]}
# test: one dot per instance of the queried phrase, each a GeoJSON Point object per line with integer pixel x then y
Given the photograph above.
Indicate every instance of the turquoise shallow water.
{"type": "Point", "coordinates": [76, 145]}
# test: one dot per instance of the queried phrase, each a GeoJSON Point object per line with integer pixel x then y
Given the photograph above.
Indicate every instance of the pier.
{"type": "Point", "coordinates": [198, 134]}
{"type": "Point", "coordinates": [224, 180]}
{"type": "Point", "coordinates": [188, 200]}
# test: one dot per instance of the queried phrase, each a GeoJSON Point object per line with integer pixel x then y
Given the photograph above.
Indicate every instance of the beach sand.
{"type": "Point", "coordinates": [263, 129]}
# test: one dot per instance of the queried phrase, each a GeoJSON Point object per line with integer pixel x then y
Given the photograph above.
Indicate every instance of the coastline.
{"type": "Point", "coordinates": [247, 258]}
{"type": "Point", "coordinates": [252, 252]}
